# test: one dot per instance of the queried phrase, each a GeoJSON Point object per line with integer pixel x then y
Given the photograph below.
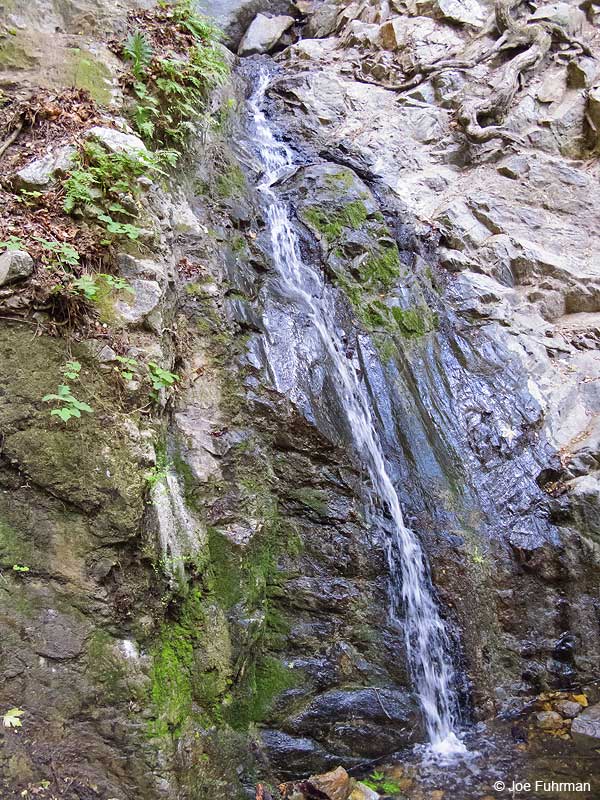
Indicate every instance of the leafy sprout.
{"type": "Point", "coordinates": [11, 718]}
{"type": "Point", "coordinates": [138, 50]}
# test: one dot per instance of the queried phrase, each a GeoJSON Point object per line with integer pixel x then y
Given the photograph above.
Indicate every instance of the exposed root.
{"type": "Point", "coordinates": [10, 139]}
{"type": "Point", "coordinates": [537, 36]}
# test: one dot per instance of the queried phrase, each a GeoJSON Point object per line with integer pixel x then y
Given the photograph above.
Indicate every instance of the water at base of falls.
{"type": "Point", "coordinates": [412, 602]}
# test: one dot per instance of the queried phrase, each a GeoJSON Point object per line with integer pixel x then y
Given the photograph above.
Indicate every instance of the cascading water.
{"type": "Point", "coordinates": [427, 641]}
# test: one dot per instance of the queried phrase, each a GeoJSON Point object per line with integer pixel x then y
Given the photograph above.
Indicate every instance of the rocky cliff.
{"type": "Point", "coordinates": [194, 584]}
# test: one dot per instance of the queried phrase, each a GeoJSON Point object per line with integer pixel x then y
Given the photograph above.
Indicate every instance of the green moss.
{"type": "Point", "coordinates": [15, 549]}
{"type": "Point", "coordinates": [231, 183]}
{"type": "Point", "coordinates": [15, 53]}
{"type": "Point", "coordinates": [382, 269]}
{"type": "Point", "coordinates": [415, 322]}
{"type": "Point", "coordinates": [340, 180]}
{"type": "Point", "coordinates": [312, 498]}
{"type": "Point", "coordinates": [332, 222]}
{"type": "Point", "coordinates": [105, 666]}
{"type": "Point", "coordinates": [172, 667]}
{"type": "Point", "coordinates": [262, 683]}
{"type": "Point", "coordinates": [91, 74]}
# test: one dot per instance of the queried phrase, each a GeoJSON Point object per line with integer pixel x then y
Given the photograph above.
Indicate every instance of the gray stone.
{"type": "Point", "coordinates": [467, 12]}
{"type": "Point", "coordinates": [15, 265]}
{"type": "Point", "coordinates": [581, 73]}
{"type": "Point", "coordinates": [585, 729]}
{"type": "Point", "coordinates": [143, 305]}
{"type": "Point", "coordinates": [38, 174]}
{"type": "Point", "coordinates": [568, 708]}
{"type": "Point", "coordinates": [563, 14]}
{"type": "Point", "coordinates": [116, 141]}
{"type": "Point", "coordinates": [234, 16]}
{"type": "Point", "coordinates": [322, 21]}
{"type": "Point", "coordinates": [264, 34]}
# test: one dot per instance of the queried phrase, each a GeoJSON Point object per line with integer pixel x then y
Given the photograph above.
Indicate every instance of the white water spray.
{"type": "Point", "coordinates": [427, 642]}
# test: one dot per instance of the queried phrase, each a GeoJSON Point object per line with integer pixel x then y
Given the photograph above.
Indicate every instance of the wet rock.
{"type": "Point", "coordinates": [58, 636]}
{"type": "Point", "coordinates": [568, 708]}
{"type": "Point", "coordinates": [264, 34]}
{"type": "Point", "coordinates": [360, 723]}
{"type": "Point", "coordinates": [548, 720]}
{"type": "Point", "coordinates": [116, 141]}
{"type": "Point", "coordinates": [295, 755]}
{"type": "Point", "coordinates": [584, 493]}
{"type": "Point", "coordinates": [334, 784]}
{"type": "Point", "coordinates": [39, 174]}
{"type": "Point", "coordinates": [15, 265]}
{"type": "Point", "coordinates": [585, 728]}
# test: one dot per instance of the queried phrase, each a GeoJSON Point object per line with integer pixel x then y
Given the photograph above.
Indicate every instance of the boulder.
{"type": "Point", "coordinates": [548, 720]}
{"type": "Point", "coordinates": [38, 174]}
{"type": "Point", "coordinates": [568, 709]}
{"type": "Point", "coordinates": [234, 16]}
{"type": "Point", "coordinates": [335, 784]}
{"type": "Point", "coordinates": [581, 73]}
{"type": "Point", "coordinates": [322, 22]}
{"type": "Point", "coordinates": [15, 265]}
{"type": "Point", "coordinates": [585, 729]}
{"type": "Point", "coordinates": [264, 34]}
{"type": "Point", "coordinates": [465, 12]}
{"type": "Point", "coordinates": [116, 141]}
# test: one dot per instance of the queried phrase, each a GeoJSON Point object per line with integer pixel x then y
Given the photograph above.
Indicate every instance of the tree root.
{"type": "Point", "coordinates": [10, 139]}
{"type": "Point", "coordinates": [538, 36]}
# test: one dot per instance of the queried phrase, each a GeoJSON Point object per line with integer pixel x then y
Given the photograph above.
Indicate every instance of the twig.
{"type": "Point", "coordinates": [10, 139]}
{"type": "Point", "coordinates": [383, 708]}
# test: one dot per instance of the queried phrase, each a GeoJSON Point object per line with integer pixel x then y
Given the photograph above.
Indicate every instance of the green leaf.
{"type": "Point", "coordinates": [20, 568]}
{"type": "Point", "coordinates": [64, 413]}
{"type": "Point", "coordinates": [11, 718]}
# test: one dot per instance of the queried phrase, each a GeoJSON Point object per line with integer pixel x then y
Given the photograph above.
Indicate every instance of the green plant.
{"type": "Point", "coordinates": [104, 182]}
{"type": "Point", "coordinates": [160, 379]}
{"type": "Point", "coordinates": [71, 370]}
{"type": "Point", "coordinates": [379, 783]}
{"type": "Point", "coordinates": [28, 198]}
{"type": "Point", "coordinates": [138, 50]}
{"type": "Point", "coordinates": [128, 367]}
{"type": "Point", "coordinates": [65, 254]}
{"type": "Point", "coordinates": [68, 406]}
{"type": "Point", "coordinates": [11, 718]}
{"type": "Point", "coordinates": [86, 286]}
{"type": "Point", "coordinates": [171, 93]}
{"type": "Point", "coordinates": [71, 407]}
{"type": "Point", "coordinates": [20, 568]}
{"type": "Point", "coordinates": [13, 243]}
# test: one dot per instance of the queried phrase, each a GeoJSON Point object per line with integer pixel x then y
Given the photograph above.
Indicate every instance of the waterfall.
{"type": "Point", "coordinates": [412, 601]}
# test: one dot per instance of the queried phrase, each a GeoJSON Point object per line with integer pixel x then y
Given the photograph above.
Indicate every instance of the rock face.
{"type": "Point", "coordinates": [264, 34]}
{"type": "Point", "coordinates": [495, 282]}
{"type": "Point", "coordinates": [586, 728]}
{"type": "Point", "coordinates": [178, 574]}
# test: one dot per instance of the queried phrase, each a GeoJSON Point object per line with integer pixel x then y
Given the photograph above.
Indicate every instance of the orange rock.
{"type": "Point", "coordinates": [335, 784]}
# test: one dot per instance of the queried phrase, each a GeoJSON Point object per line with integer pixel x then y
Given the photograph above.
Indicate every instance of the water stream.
{"type": "Point", "coordinates": [413, 607]}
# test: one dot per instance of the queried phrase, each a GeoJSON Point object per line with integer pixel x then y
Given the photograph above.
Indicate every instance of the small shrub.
{"type": "Point", "coordinates": [160, 379]}
{"type": "Point", "coordinates": [68, 405]}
